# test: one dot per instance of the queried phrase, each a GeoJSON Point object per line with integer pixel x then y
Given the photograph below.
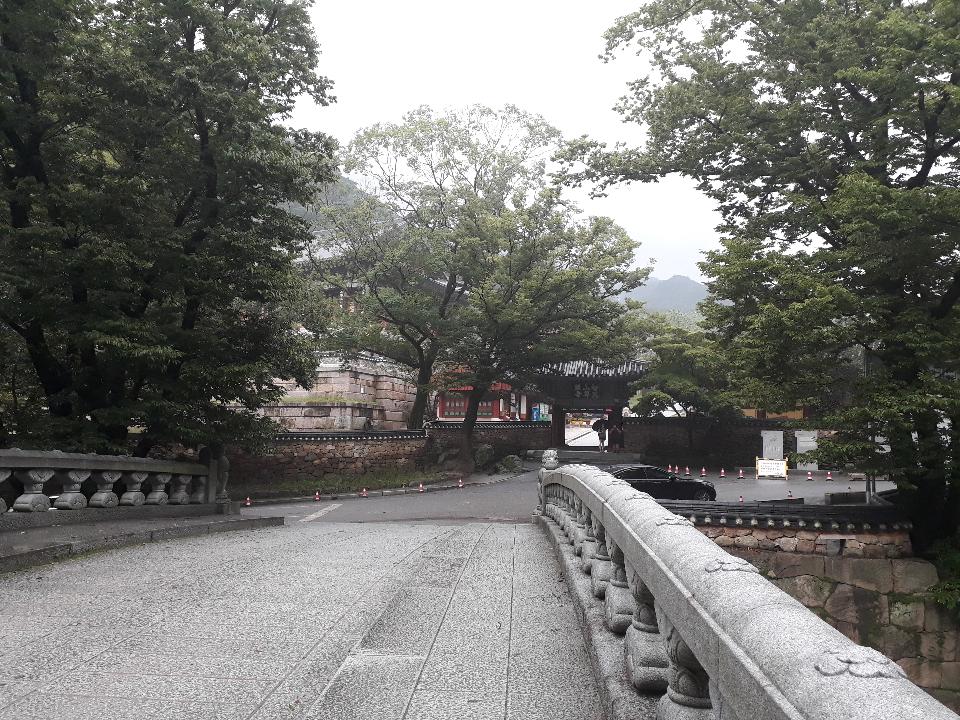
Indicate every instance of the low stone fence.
{"type": "Point", "coordinates": [32, 477]}
{"type": "Point", "coordinates": [310, 456]}
{"type": "Point", "coordinates": [678, 614]}
{"type": "Point", "coordinates": [505, 436]}
{"type": "Point", "coordinates": [695, 440]}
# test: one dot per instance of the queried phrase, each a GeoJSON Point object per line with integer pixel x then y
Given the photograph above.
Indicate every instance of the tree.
{"type": "Point", "coordinates": [828, 132]}
{"type": "Point", "coordinates": [403, 253]}
{"type": "Point", "coordinates": [547, 292]}
{"type": "Point", "coordinates": [145, 246]}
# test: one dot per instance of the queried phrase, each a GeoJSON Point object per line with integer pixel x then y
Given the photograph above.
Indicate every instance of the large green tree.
{"type": "Point", "coordinates": [404, 253]}
{"type": "Point", "coordinates": [828, 132]}
{"type": "Point", "coordinates": [144, 240]}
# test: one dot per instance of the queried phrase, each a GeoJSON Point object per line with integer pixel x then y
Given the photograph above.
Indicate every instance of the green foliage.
{"type": "Point", "coordinates": [145, 247]}
{"type": "Point", "coordinates": [828, 132]}
{"type": "Point", "coordinates": [946, 556]}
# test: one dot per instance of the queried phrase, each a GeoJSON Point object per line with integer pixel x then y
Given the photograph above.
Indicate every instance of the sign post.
{"type": "Point", "coordinates": [771, 468]}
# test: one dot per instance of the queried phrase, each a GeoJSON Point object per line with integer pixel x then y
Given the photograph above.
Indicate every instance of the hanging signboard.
{"type": "Point", "coordinates": [771, 468]}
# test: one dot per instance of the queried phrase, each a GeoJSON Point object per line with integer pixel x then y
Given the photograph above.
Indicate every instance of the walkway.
{"type": "Point", "coordinates": [312, 620]}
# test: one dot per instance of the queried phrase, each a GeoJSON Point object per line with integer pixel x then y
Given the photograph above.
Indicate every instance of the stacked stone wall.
{"type": "Point", "coordinates": [664, 440]}
{"type": "Point", "coordinates": [505, 437]}
{"type": "Point", "coordinates": [893, 544]}
{"type": "Point", "coordinates": [313, 459]}
{"type": "Point", "coordinates": [885, 604]}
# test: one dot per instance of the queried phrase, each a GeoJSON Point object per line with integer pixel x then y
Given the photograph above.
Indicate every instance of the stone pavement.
{"type": "Point", "coordinates": [312, 620]}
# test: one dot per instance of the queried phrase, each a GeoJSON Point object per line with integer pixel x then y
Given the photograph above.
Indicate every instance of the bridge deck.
{"type": "Point", "coordinates": [306, 621]}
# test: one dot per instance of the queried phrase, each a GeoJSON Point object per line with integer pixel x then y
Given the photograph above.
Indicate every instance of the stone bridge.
{"type": "Point", "coordinates": [614, 608]}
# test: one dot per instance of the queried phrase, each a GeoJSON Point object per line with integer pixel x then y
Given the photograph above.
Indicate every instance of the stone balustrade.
{"type": "Point", "coordinates": [166, 481]}
{"type": "Point", "coordinates": [706, 629]}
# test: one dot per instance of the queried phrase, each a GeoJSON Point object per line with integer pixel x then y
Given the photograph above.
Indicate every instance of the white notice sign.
{"type": "Point", "coordinates": [771, 468]}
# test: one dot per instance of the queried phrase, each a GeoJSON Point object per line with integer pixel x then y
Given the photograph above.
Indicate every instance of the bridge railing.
{"type": "Point", "coordinates": [706, 628]}
{"type": "Point", "coordinates": [165, 482]}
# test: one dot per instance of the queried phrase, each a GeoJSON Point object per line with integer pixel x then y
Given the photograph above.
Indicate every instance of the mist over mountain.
{"type": "Point", "coordinates": [678, 293]}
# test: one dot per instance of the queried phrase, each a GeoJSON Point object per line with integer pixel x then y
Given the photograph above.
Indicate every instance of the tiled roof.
{"type": "Point", "coordinates": [586, 368]}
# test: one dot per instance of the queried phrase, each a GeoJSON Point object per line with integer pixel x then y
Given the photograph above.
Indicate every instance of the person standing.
{"type": "Point", "coordinates": [600, 428]}
{"type": "Point", "coordinates": [616, 438]}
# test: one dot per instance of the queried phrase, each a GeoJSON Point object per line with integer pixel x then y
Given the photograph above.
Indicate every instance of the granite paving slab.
{"type": "Point", "coordinates": [313, 620]}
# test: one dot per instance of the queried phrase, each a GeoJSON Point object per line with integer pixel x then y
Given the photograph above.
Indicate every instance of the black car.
{"type": "Point", "coordinates": [664, 485]}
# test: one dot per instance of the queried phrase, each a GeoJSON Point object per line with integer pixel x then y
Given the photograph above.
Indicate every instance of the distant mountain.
{"type": "Point", "coordinates": [679, 293]}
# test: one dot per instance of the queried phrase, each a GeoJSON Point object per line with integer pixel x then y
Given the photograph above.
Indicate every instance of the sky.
{"type": "Point", "coordinates": [386, 58]}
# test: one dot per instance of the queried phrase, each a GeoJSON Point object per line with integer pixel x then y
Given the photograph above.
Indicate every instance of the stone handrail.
{"type": "Point", "coordinates": [188, 482]}
{"type": "Point", "coordinates": [707, 627]}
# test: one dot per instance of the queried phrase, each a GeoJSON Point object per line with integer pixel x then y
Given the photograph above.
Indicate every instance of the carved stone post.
{"type": "Point", "coordinates": [133, 495]}
{"type": "Point", "coordinates": [688, 685]}
{"type": "Point", "coordinates": [601, 568]}
{"type": "Point", "coordinates": [618, 604]}
{"type": "Point", "coordinates": [179, 495]}
{"type": "Point", "coordinates": [70, 496]}
{"type": "Point", "coordinates": [33, 499]}
{"type": "Point", "coordinates": [105, 497]}
{"type": "Point", "coordinates": [198, 489]}
{"type": "Point", "coordinates": [643, 648]}
{"type": "Point", "coordinates": [579, 526]}
{"type": "Point", "coordinates": [223, 478]}
{"type": "Point", "coordinates": [589, 545]}
{"type": "Point", "coordinates": [158, 495]}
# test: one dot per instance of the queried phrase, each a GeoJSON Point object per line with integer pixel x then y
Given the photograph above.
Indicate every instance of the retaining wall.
{"type": "Point", "coordinates": [506, 437]}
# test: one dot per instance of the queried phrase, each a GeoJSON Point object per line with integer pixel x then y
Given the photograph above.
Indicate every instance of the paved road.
{"type": "Point", "coordinates": [314, 620]}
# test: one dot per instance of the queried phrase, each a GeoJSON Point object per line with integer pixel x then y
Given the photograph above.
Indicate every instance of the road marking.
{"type": "Point", "coordinates": [318, 513]}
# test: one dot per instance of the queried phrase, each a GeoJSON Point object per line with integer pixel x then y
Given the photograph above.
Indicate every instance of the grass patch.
{"type": "Point", "coordinates": [333, 484]}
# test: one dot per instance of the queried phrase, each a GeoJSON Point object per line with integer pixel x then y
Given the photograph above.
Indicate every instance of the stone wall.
{"type": "Point", "coordinates": [729, 443]}
{"type": "Point", "coordinates": [884, 604]}
{"type": "Point", "coordinates": [892, 544]}
{"type": "Point", "coordinates": [506, 437]}
{"type": "Point", "coordinates": [304, 458]}
{"type": "Point", "coordinates": [330, 416]}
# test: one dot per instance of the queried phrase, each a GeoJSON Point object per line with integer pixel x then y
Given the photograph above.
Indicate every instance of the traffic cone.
{"type": "Point", "coordinates": [829, 475]}
{"type": "Point", "coordinates": [363, 493]}
{"type": "Point", "coordinates": [460, 483]}
{"type": "Point", "coordinates": [669, 468]}
{"type": "Point", "coordinates": [740, 476]}
{"type": "Point", "coordinates": [741, 498]}
{"type": "Point", "coordinates": [789, 493]}
{"type": "Point", "coordinates": [703, 472]}
{"type": "Point", "coordinates": [247, 502]}
{"type": "Point", "coordinates": [723, 473]}
{"type": "Point", "coordinates": [420, 489]}
{"type": "Point", "coordinates": [316, 496]}
{"type": "Point", "coordinates": [809, 475]}
{"type": "Point", "coordinates": [686, 470]}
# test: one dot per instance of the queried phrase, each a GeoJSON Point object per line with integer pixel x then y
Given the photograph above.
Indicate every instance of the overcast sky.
{"type": "Point", "coordinates": [386, 58]}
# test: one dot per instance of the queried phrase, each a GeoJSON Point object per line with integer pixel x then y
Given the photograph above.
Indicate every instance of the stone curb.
{"type": "Point", "coordinates": [53, 553]}
{"type": "Point", "coordinates": [374, 493]}
{"type": "Point", "coordinates": [619, 698]}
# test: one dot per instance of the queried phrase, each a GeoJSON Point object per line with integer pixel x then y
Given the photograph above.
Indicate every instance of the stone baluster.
{"type": "Point", "coordinates": [198, 493]}
{"type": "Point", "coordinates": [579, 526]}
{"type": "Point", "coordinates": [643, 648]}
{"type": "Point", "coordinates": [601, 569]}
{"type": "Point", "coordinates": [179, 495]}
{"type": "Point", "coordinates": [70, 496]}
{"type": "Point", "coordinates": [618, 604]}
{"type": "Point", "coordinates": [33, 499]}
{"type": "Point", "coordinates": [223, 478]}
{"type": "Point", "coordinates": [4, 474]}
{"type": "Point", "coordinates": [589, 546]}
{"type": "Point", "coordinates": [134, 495]}
{"type": "Point", "coordinates": [722, 710]}
{"type": "Point", "coordinates": [105, 497]}
{"type": "Point", "coordinates": [688, 685]}
{"type": "Point", "coordinates": [158, 484]}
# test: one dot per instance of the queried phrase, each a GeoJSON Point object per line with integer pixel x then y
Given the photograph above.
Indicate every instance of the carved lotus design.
{"type": "Point", "coordinates": [550, 460]}
{"type": "Point", "coordinates": [730, 565]}
{"type": "Point", "coordinates": [860, 662]}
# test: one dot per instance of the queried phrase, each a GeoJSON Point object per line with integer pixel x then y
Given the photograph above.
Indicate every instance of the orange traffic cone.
{"type": "Point", "coordinates": [363, 493]}
{"type": "Point", "coordinates": [460, 483]}
{"type": "Point", "coordinates": [247, 502]}
{"type": "Point", "coordinates": [669, 468]}
{"type": "Point", "coordinates": [723, 473]}
{"type": "Point", "coordinates": [809, 475]}
{"type": "Point", "coordinates": [740, 476]}
{"type": "Point", "coordinates": [741, 498]}
{"type": "Point", "coordinates": [316, 496]}
{"type": "Point", "coordinates": [703, 472]}
{"type": "Point", "coordinates": [686, 470]}
{"type": "Point", "coordinates": [420, 489]}
{"type": "Point", "coordinates": [829, 475]}
{"type": "Point", "coordinates": [789, 493]}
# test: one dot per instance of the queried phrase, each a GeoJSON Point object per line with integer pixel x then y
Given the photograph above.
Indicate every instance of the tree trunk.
{"type": "Point", "coordinates": [469, 422]}
{"type": "Point", "coordinates": [424, 375]}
